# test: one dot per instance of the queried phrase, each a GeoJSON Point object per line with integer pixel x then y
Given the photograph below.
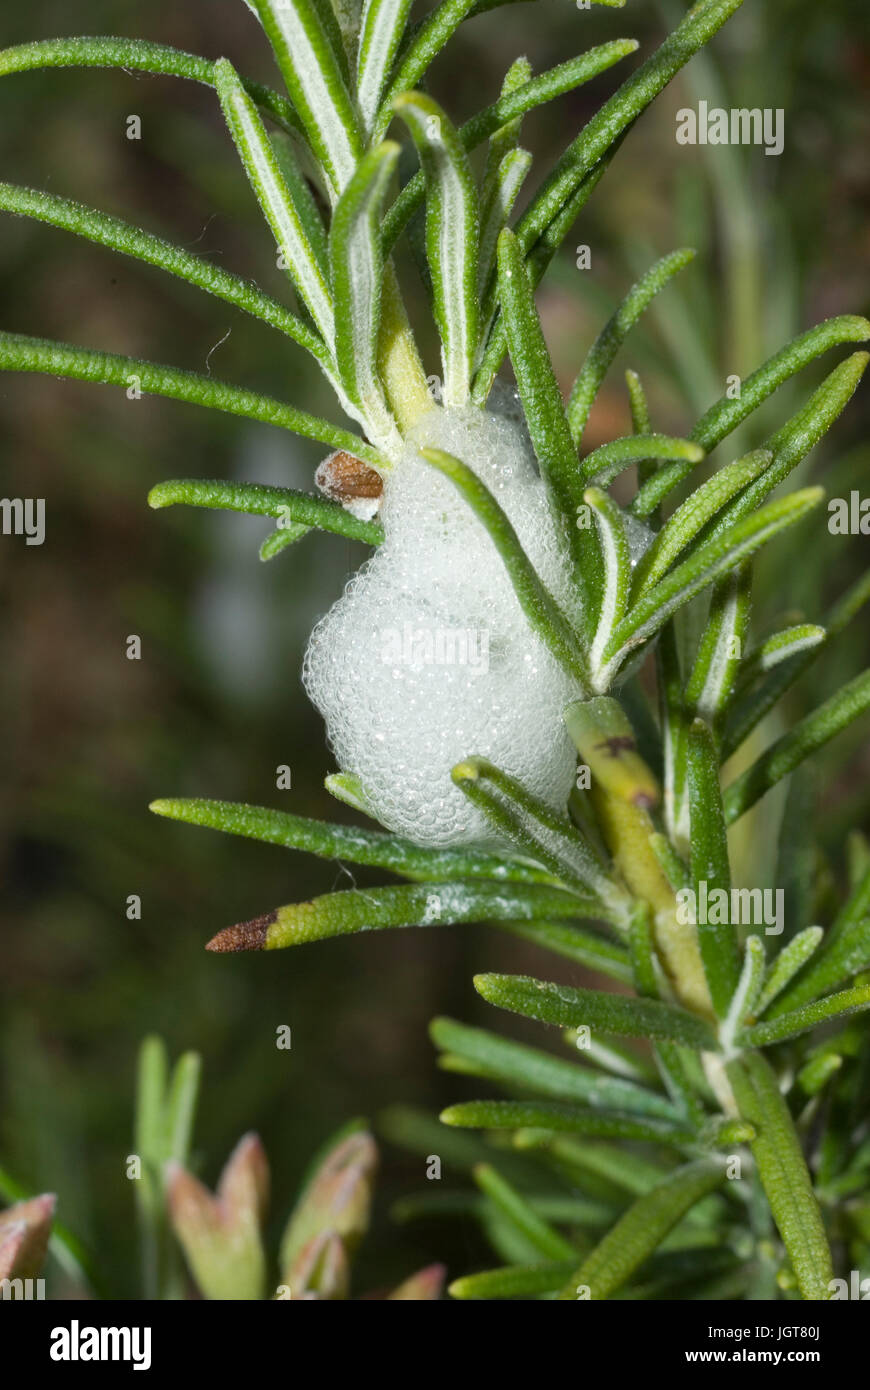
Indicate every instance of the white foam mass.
{"type": "Point", "coordinates": [427, 658]}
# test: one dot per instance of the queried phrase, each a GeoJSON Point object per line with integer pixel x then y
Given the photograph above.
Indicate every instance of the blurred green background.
{"type": "Point", "coordinates": [216, 702]}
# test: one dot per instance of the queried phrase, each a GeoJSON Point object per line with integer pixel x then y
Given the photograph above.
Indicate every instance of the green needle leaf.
{"type": "Point", "coordinates": [709, 864]}
{"type": "Point", "coordinates": [693, 515]}
{"type": "Point", "coordinates": [544, 615]}
{"type": "Point", "coordinates": [19, 353]}
{"type": "Point", "coordinates": [542, 403]}
{"type": "Point", "coordinates": [786, 965]}
{"type": "Point", "coordinates": [613, 335]}
{"type": "Point", "coordinates": [542, 400]}
{"type": "Point", "coordinates": [743, 1002]}
{"type": "Point", "coordinates": [789, 1025]}
{"type": "Point", "coordinates": [357, 280]}
{"type": "Point", "coordinates": [553, 1115]}
{"type": "Point", "coordinates": [504, 140]}
{"type": "Point", "coordinates": [780, 647]}
{"type": "Point", "coordinates": [616, 566]}
{"type": "Point", "coordinates": [717, 665]}
{"type": "Point", "coordinates": [345, 842]}
{"type": "Point", "coordinates": [347, 787]}
{"type": "Point", "coordinates": [381, 30]}
{"type": "Point", "coordinates": [510, 106]}
{"type": "Point", "coordinates": [433, 34]}
{"type": "Point", "coordinates": [704, 565]}
{"type": "Point", "coordinates": [727, 413]}
{"type": "Point", "coordinates": [607, 461]}
{"type": "Point", "coordinates": [517, 1211]}
{"type": "Point", "coordinates": [797, 437]}
{"type": "Point", "coordinates": [312, 70]}
{"type": "Point", "coordinates": [543, 833]}
{"type": "Point", "coordinates": [304, 509]}
{"type": "Point", "coordinates": [641, 1229]}
{"type": "Point", "coordinates": [452, 233]}
{"type": "Point", "coordinates": [566, 1007]}
{"type": "Point", "coordinates": [282, 538]}
{"type": "Point", "coordinates": [435, 904]}
{"type": "Point", "coordinates": [843, 955]}
{"type": "Point", "coordinates": [512, 1281]}
{"type": "Point", "coordinates": [817, 1073]}
{"type": "Point", "coordinates": [496, 208]}
{"type": "Point", "coordinates": [783, 1172]}
{"type": "Point", "coordinates": [119, 236]}
{"type": "Point", "coordinates": [640, 422]}
{"type": "Point", "coordinates": [613, 119]}
{"type": "Point", "coordinates": [181, 1101]}
{"type": "Point", "coordinates": [268, 182]}
{"type": "Point", "coordinates": [500, 1059]}
{"type": "Point", "coordinates": [136, 55]}
{"type": "Point", "coordinates": [810, 734]}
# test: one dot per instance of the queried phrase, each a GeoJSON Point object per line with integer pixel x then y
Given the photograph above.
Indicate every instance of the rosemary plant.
{"type": "Point", "coordinates": [687, 1159]}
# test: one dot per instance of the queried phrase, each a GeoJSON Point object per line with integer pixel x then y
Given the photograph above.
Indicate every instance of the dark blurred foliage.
{"type": "Point", "coordinates": [216, 703]}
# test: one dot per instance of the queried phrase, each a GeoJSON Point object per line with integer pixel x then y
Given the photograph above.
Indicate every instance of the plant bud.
{"type": "Point", "coordinates": [220, 1233]}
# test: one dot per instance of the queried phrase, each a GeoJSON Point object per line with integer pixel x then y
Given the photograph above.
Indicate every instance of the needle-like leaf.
{"type": "Point", "coordinates": [641, 1230]}
{"type": "Point", "coordinates": [501, 1059]}
{"type": "Point", "coordinates": [783, 1172]}
{"type": "Point", "coordinates": [539, 606]}
{"type": "Point", "coordinates": [266, 179]}
{"type": "Point", "coordinates": [301, 509]}
{"type": "Point", "coordinates": [383, 23]}
{"type": "Point", "coordinates": [709, 865]}
{"type": "Point", "coordinates": [789, 961]}
{"type": "Point", "coordinates": [513, 1281]}
{"type": "Point", "coordinates": [609, 460]}
{"type": "Point", "coordinates": [344, 842]}
{"type": "Point", "coordinates": [432, 905]}
{"type": "Point", "coordinates": [789, 751]}
{"type": "Point", "coordinates": [514, 1207]}
{"type": "Point", "coordinates": [801, 1020]}
{"type": "Point", "coordinates": [510, 106]}
{"type": "Point", "coordinates": [496, 207]}
{"type": "Point", "coordinates": [357, 279]}
{"type": "Point", "coordinates": [704, 565]}
{"type": "Point", "coordinates": [606, 1013]}
{"type": "Point", "coordinates": [613, 334]}
{"type": "Point", "coordinates": [313, 72]}
{"type": "Point", "coordinates": [540, 832]}
{"type": "Point", "coordinates": [685, 523]}
{"type": "Point", "coordinates": [717, 664]}
{"type": "Point", "coordinates": [554, 1115]}
{"type": "Point", "coordinates": [452, 233]}
{"type": "Point", "coordinates": [616, 574]}
{"type": "Point", "coordinates": [120, 236]}
{"type": "Point", "coordinates": [19, 353]}
{"type": "Point", "coordinates": [136, 55]}
{"type": "Point", "coordinates": [844, 955]}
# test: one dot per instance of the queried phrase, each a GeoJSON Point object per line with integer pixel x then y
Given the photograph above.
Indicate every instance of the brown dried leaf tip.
{"type": "Point", "coordinates": [243, 936]}
{"type": "Point", "coordinates": [346, 479]}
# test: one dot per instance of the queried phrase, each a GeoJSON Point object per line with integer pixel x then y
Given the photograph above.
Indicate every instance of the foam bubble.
{"type": "Point", "coordinates": [427, 658]}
